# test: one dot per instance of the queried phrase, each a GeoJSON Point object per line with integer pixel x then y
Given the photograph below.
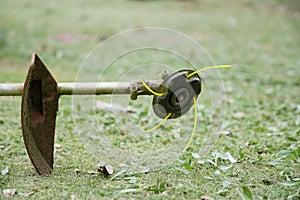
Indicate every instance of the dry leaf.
{"type": "Point", "coordinates": [145, 170]}
{"type": "Point", "coordinates": [269, 134]}
{"type": "Point", "coordinates": [230, 158]}
{"type": "Point", "coordinates": [101, 105]}
{"type": "Point", "coordinates": [205, 197]}
{"type": "Point", "coordinates": [26, 194]}
{"type": "Point", "coordinates": [73, 197]}
{"type": "Point", "coordinates": [195, 155]}
{"type": "Point", "coordinates": [76, 171]}
{"type": "Point", "coordinates": [9, 192]}
{"type": "Point", "coordinates": [5, 171]}
{"type": "Point", "coordinates": [239, 115]}
{"type": "Point", "coordinates": [224, 132]}
{"type": "Point", "coordinates": [93, 172]}
{"type": "Point", "coordinates": [106, 170]}
{"type": "Point", "coordinates": [165, 193]}
{"type": "Point", "coordinates": [58, 147]}
{"type": "Point", "coordinates": [122, 165]}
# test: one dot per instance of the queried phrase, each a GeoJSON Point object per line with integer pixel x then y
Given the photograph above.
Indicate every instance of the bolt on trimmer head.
{"type": "Point", "coordinates": [40, 94]}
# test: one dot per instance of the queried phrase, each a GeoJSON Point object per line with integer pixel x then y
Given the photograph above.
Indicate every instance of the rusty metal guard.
{"type": "Point", "coordinates": [38, 115]}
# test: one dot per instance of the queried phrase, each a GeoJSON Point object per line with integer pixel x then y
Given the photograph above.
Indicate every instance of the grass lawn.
{"type": "Point", "coordinates": [258, 154]}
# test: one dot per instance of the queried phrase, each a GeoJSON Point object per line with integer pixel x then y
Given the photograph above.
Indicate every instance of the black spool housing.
{"type": "Point", "coordinates": [179, 92]}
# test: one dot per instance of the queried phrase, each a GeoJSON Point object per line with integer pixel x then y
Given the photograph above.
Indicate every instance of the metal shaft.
{"type": "Point", "coordinates": [11, 89]}
{"type": "Point", "coordinates": [85, 88]}
{"type": "Point", "coordinates": [90, 88]}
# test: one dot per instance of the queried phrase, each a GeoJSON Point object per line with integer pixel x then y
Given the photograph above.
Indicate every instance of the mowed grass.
{"type": "Point", "coordinates": [260, 39]}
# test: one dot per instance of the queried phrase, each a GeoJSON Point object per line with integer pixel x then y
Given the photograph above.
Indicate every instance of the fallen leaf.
{"type": "Point", "coordinates": [288, 184]}
{"type": "Point", "coordinates": [205, 197]}
{"type": "Point", "coordinates": [226, 184]}
{"type": "Point", "coordinates": [26, 194]}
{"type": "Point", "coordinates": [208, 177]}
{"type": "Point", "coordinates": [297, 121]}
{"type": "Point", "coordinates": [76, 171]}
{"type": "Point", "coordinates": [9, 192]}
{"type": "Point", "coordinates": [101, 105]}
{"type": "Point", "coordinates": [122, 165]}
{"type": "Point", "coordinates": [109, 170]}
{"type": "Point", "coordinates": [273, 129]}
{"type": "Point", "coordinates": [211, 162]}
{"type": "Point", "coordinates": [225, 168]}
{"type": "Point", "coordinates": [239, 115]}
{"type": "Point", "coordinates": [269, 91]}
{"type": "Point", "coordinates": [145, 170]}
{"type": "Point", "coordinates": [217, 172]}
{"type": "Point", "coordinates": [5, 171]}
{"type": "Point", "coordinates": [73, 197]}
{"type": "Point", "coordinates": [118, 174]}
{"type": "Point", "coordinates": [184, 170]}
{"type": "Point", "coordinates": [221, 155]}
{"type": "Point", "coordinates": [93, 172]}
{"type": "Point", "coordinates": [223, 132]}
{"type": "Point", "coordinates": [274, 163]}
{"type": "Point", "coordinates": [283, 153]}
{"type": "Point", "coordinates": [58, 147]}
{"type": "Point", "coordinates": [106, 170]}
{"type": "Point", "coordinates": [201, 162]}
{"type": "Point", "coordinates": [195, 155]}
{"type": "Point", "coordinates": [222, 191]}
{"type": "Point", "coordinates": [132, 180]}
{"type": "Point", "coordinates": [130, 190]}
{"type": "Point", "coordinates": [165, 193]}
{"type": "Point", "coordinates": [231, 159]}
{"type": "Point", "coordinates": [298, 108]}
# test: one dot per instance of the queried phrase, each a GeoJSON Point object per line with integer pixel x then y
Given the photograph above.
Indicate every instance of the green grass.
{"type": "Point", "coordinates": [260, 39]}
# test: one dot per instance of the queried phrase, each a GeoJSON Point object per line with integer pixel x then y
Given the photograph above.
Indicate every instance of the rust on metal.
{"type": "Point", "coordinates": [38, 115]}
